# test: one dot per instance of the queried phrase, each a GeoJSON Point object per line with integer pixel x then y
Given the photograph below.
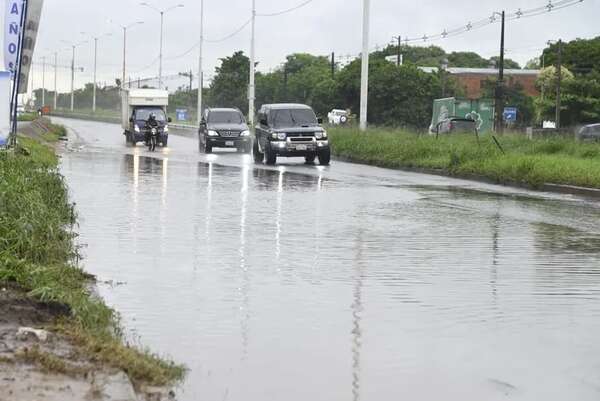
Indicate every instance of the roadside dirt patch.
{"type": "Point", "coordinates": [52, 370]}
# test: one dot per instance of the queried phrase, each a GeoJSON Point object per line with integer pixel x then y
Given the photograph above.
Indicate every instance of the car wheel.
{"type": "Point", "coordinates": [165, 143]}
{"type": "Point", "coordinates": [207, 149]}
{"type": "Point", "coordinates": [258, 157]}
{"type": "Point", "coordinates": [310, 159]}
{"type": "Point", "coordinates": [270, 156]}
{"type": "Point", "coordinates": [325, 157]}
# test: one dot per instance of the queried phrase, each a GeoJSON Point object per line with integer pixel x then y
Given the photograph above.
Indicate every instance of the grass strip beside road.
{"type": "Point", "coordinates": [37, 254]}
{"type": "Point", "coordinates": [528, 162]}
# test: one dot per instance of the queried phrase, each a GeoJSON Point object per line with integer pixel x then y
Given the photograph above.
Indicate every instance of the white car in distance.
{"type": "Point", "coordinates": [337, 117]}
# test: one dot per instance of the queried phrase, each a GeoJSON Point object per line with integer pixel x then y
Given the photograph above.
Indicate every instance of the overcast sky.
{"type": "Point", "coordinates": [319, 28]}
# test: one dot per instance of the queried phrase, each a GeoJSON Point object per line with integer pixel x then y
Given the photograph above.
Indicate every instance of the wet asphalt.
{"type": "Point", "coordinates": [346, 282]}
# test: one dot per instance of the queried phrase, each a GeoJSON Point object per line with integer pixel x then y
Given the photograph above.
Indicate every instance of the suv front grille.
{"type": "Point", "coordinates": [301, 139]}
{"type": "Point", "coordinates": [305, 135]}
{"type": "Point", "coordinates": [229, 134]}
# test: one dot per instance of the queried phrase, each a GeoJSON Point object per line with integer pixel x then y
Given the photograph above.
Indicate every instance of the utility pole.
{"type": "Point", "coordinates": [251, 87]}
{"type": "Point", "coordinates": [55, 80]}
{"type": "Point", "coordinates": [558, 83]}
{"type": "Point", "coordinates": [95, 77]}
{"type": "Point", "coordinates": [399, 62]}
{"type": "Point", "coordinates": [332, 65]}
{"type": "Point", "coordinates": [543, 66]}
{"type": "Point", "coordinates": [285, 82]}
{"type": "Point", "coordinates": [500, 83]}
{"type": "Point", "coordinates": [200, 62]}
{"type": "Point", "coordinates": [364, 84]}
{"type": "Point", "coordinates": [73, 80]}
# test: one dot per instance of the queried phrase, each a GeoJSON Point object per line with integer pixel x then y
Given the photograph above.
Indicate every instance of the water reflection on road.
{"type": "Point", "coordinates": [306, 283]}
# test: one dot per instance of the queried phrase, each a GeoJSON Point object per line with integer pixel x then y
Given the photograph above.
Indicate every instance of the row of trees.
{"type": "Point", "coordinates": [398, 95]}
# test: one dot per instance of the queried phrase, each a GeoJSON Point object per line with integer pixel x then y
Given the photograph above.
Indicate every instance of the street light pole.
{"type": "Point", "coordinates": [43, 81]}
{"type": "Point", "coordinates": [95, 76]}
{"type": "Point", "coordinates": [73, 80]}
{"type": "Point", "coordinates": [200, 77]}
{"type": "Point", "coordinates": [55, 80]}
{"type": "Point", "coordinates": [162, 16]}
{"type": "Point", "coordinates": [160, 62]}
{"type": "Point", "coordinates": [251, 87]}
{"type": "Point", "coordinates": [558, 83]}
{"type": "Point", "coordinates": [364, 84]}
{"type": "Point", "coordinates": [125, 28]}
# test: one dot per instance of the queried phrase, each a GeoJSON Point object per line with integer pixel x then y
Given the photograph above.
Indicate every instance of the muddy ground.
{"type": "Point", "coordinates": [33, 369]}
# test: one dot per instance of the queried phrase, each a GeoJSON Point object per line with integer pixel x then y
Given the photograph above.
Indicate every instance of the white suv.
{"type": "Point", "coordinates": [337, 117]}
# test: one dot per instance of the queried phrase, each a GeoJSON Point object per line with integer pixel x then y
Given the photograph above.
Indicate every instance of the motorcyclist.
{"type": "Point", "coordinates": [150, 123]}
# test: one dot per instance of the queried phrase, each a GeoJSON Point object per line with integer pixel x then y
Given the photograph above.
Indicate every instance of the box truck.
{"type": "Point", "coordinates": [137, 106]}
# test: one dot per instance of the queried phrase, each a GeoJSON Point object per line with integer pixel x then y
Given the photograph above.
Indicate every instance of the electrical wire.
{"type": "Point", "coordinates": [289, 10]}
{"type": "Point", "coordinates": [231, 35]}
{"type": "Point", "coordinates": [493, 19]}
{"type": "Point", "coordinates": [146, 67]}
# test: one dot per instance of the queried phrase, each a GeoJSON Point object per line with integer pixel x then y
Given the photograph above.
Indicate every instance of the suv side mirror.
{"type": "Point", "coordinates": [203, 121]}
{"type": "Point", "coordinates": [169, 120]}
{"type": "Point", "coordinates": [130, 119]}
{"type": "Point", "coordinates": [263, 121]}
{"type": "Point", "coordinates": [320, 120]}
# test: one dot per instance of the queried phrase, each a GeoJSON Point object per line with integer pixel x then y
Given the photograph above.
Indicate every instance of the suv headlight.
{"type": "Point", "coordinates": [136, 128]}
{"type": "Point", "coordinates": [212, 133]}
{"type": "Point", "coordinates": [166, 128]}
{"type": "Point", "coordinates": [281, 136]}
{"type": "Point", "coordinates": [321, 135]}
{"type": "Point", "coordinates": [245, 133]}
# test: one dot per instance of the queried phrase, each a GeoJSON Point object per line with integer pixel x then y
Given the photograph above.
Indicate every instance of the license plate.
{"type": "Point", "coordinates": [301, 147]}
{"type": "Point", "coordinates": [229, 143]}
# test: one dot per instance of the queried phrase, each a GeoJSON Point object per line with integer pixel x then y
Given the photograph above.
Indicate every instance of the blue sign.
{"type": "Point", "coordinates": [510, 114]}
{"type": "Point", "coordinates": [182, 114]}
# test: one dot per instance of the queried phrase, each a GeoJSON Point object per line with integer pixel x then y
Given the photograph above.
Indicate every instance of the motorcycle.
{"type": "Point", "coordinates": [153, 139]}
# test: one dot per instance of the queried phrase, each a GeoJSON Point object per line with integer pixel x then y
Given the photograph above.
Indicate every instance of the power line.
{"type": "Point", "coordinates": [289, 10]}
{"type": "Point", "coordinates": [223, 39]}
{"type": "Point", "coordinates": [519, 14]}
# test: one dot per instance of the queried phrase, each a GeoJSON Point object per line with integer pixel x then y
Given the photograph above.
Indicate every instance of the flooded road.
{"type": "Point", "coordinates": [342, 283]}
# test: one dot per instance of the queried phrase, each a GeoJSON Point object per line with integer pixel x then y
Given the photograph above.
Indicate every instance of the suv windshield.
{"type": "Point", "coordinates": [144, 114]}
{"type": "Point", "coordinates": [225, 117]}
{"type": "Point", "coordinates": [293, 118]}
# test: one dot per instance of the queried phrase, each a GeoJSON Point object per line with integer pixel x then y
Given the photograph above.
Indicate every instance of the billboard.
{"type": "Point", "coordinates": [481, 110]}
{"type": "Point", "coordinates": [13, 14]}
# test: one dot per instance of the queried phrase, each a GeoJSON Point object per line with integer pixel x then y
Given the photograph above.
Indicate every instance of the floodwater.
{"type": "Point", "coordinates": [344, 283]}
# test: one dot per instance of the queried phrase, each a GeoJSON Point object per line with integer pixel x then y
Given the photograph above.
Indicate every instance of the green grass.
{"type": "Point", "coordinates": [532, 162]}
{"type": "Point", "coordinates": [37, 253]}
{"type": "Point", "coordinates": [55, 133]}
{"type": "Point", "coordinates": [27, 117]}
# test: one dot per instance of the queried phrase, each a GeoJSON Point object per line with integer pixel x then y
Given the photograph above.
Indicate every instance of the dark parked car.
{"type": "Point", "coordinates": [290, 130]}
{"type": "Point", "coordinates": [224, 128]}
{"type": "Point", "coordinates": [589, 132]}
{"type": "Point", "coordinates": [456, 125]}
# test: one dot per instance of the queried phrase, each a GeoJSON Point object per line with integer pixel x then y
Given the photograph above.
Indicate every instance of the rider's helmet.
{"type": "Point", "coordinates": [152, 116]}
